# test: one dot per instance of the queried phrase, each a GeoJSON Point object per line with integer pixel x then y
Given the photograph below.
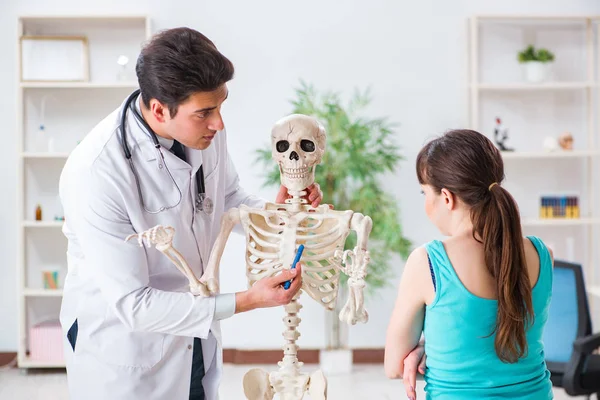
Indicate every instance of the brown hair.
{"type": "Point", "coordinates": [177, 63]}
{"type": "Point", "coordinates": [467, 164]}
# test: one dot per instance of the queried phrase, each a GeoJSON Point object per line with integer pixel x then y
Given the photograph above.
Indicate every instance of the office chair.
{"type": "Point", "coordinates": [568, 339]}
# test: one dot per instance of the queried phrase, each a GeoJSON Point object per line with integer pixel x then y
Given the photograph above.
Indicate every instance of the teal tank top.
{"type": "Point", "coordinates": [461, 359]}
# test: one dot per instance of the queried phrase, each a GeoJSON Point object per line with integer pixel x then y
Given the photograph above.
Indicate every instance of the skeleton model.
{"type": "Point", "coordinates": [273, 235]}
{"type": "Point", "coordinates": [500, 135]}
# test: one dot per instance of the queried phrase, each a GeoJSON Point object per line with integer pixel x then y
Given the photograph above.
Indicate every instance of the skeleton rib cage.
{"type": "Point", "coordinates": [274, 235]}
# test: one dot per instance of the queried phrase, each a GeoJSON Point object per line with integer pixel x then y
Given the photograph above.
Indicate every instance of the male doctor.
{"type": "Point", "coordinates": [132, 329]}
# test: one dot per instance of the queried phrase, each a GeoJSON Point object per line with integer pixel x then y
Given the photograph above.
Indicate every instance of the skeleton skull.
{"type": "Point", "coordinates": [298, 145]}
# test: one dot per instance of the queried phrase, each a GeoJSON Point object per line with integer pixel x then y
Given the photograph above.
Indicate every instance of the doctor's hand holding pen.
{"type": "Point", "coordinates": [270, 292]}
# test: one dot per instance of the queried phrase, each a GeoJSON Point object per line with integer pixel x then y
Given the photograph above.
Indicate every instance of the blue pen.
{"type": "Point", "coordinates": [287, 284]}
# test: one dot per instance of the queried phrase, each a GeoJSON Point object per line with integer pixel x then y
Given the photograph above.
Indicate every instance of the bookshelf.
{"type": "Point", "coordinates": [67, 110]}
{"type": "Point", "coordinates": [566, 101]}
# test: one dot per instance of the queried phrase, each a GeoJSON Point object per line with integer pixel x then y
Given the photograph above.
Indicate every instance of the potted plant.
{"type": "Point", "coordinates": [359, 153]}
{"type": "Point", "coordinates": [536, 63]}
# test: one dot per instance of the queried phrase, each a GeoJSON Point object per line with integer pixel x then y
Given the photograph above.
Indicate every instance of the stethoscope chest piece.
{"type": "Point", "coordinates": [204, 203]}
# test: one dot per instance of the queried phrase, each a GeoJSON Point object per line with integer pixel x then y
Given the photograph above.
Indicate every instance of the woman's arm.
{"type": "Point", "coordinates": [406, 322]}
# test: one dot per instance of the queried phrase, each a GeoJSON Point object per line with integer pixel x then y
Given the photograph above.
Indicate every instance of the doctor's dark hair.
{"type": "Point", "coordinates": [467, 164]}
{"type": "Point", "coordinates": [177, 63]}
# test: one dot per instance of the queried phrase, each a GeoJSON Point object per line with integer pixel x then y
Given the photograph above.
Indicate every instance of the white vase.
{"type": "Point", "coordinates": [336, 361]}
{"type": "Point", "coordinates": [536, 71]}
{"type": "Point", "coordinates": [336, 358]}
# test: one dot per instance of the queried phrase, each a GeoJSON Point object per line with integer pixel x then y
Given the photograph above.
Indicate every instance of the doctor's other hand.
{"type": "Point", "coordinates": [269, 292]}
{"type": "Point", "coordinates": [314, 195]}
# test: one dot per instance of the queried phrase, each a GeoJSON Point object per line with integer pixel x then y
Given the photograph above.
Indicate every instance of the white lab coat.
{"type": "Point", "coordinates": [136, 319]}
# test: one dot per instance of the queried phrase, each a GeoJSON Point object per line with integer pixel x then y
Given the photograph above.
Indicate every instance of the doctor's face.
{"type": "Point", "coordinates": [197, 119]}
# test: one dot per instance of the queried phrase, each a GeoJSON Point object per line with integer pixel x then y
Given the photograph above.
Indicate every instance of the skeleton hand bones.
{"type": "Point", "coordinates": [354, 311]}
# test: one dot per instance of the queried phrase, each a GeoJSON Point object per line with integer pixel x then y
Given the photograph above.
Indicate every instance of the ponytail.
{"type": "Point", "coordinates": [465, 162]}
{"type": "Point", "coordinates": [497, 223]}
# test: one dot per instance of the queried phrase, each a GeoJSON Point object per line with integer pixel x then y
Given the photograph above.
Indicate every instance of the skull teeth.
{"type": "Point", "coordinates": [296, 173]}
{"type": "Point", "coordinates": [302, 170]}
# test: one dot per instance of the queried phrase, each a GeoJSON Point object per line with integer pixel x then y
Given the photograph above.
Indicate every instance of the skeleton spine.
{"type": "Point", "coordinates": [296, 201]}
{"type": "Point", "coordinates": [291, 334]}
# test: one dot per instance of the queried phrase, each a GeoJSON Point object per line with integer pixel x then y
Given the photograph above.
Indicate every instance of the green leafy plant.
{"type": "Point", "coordinates": [359, 152]}
{"type": "Point", "coordinates": [531, 54]}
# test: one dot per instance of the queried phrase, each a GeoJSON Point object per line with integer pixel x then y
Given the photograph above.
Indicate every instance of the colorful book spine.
{"type": "Point", "coordinates": [559, 207]}
{"type": "Point", "coordinates": [50, 279]}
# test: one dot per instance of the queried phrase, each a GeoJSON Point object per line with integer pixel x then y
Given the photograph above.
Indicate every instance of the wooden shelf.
{"type": "Point", "coordinates": [45, 155]}
{"type": "Point", "coordinates": [549, 154]}
{"type": "Point", "coordinates": [75, 17]}
{"type": "Point", "coordinates": [42, 292]}
{"type": "Point", "coordinates": [79, 85]}
{"type": "Point", "coordinates": [538, 21]}
{"type": "Point", "coordinates": [26, 362]}
{"type": "Point", "coordinates": [522, 86]}
{"type": "Point", "coordinates": [559, 221]}
{"type": "Point", "coordinates": [543, 18]}
{"type": "Point", "coordinates": [43, 224]}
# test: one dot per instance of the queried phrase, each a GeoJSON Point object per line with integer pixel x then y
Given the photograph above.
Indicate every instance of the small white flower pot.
{"type": "Point", "coordinates": [536, 72]}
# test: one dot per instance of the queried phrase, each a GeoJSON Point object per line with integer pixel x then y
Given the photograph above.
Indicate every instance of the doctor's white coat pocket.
{"type": "Point", "coordinates": [115, 344]}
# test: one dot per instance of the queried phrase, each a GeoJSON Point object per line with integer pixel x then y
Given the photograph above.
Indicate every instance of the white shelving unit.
{"type": "Point", "coordinates": [42, 292]}
{"type": "Point", "coordinates": [510, 86]}
{"type": "Point", "coordinates": [568, 101]}
{"type": "Point", "coordinates": [559, 222]}
{"type": "Point", "coordinates": [78, 85]}
{"type": "Point", "coordinates": [551, 155]}
{"type": "Point", "coordinates": [68, 111]}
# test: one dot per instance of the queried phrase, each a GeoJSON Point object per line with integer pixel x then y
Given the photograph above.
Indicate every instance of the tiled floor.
{"type": "Point", "coordinates": [366, 382]}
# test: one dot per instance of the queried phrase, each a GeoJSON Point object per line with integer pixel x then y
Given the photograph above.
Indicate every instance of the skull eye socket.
{"type": "Point", "coordinates": [307, 146]}
{"type": "Point", "coordinates": [282, 146]}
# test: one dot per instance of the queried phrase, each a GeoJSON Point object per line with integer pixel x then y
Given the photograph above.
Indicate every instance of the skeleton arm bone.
{"type": "Point", "coordinates": [162, 238]}
{"type": "Point", "coordinates": [196, 287]}
{"type": "Point", "coordinates": [211, 273]}
{"type": "Point", "coordinates": [354, 311]}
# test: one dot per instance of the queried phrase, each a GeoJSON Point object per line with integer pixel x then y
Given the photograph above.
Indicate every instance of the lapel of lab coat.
{"type": "Point", "coordinates": [139, 138]}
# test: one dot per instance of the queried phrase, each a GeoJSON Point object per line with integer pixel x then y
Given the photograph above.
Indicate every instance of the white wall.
{"type": "Point", "coordinates": [412, 54]}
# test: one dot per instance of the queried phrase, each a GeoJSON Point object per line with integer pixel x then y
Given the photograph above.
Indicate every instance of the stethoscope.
{"type": "Point", "coordinates": [203, 202]}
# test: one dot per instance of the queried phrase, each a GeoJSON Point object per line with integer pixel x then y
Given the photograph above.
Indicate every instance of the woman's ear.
{"type": "Point", "coordinates": [448, 199]}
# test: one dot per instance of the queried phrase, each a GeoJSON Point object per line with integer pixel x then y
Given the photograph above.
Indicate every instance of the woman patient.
{"type": "Point", "coordinates": [481, 296]}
